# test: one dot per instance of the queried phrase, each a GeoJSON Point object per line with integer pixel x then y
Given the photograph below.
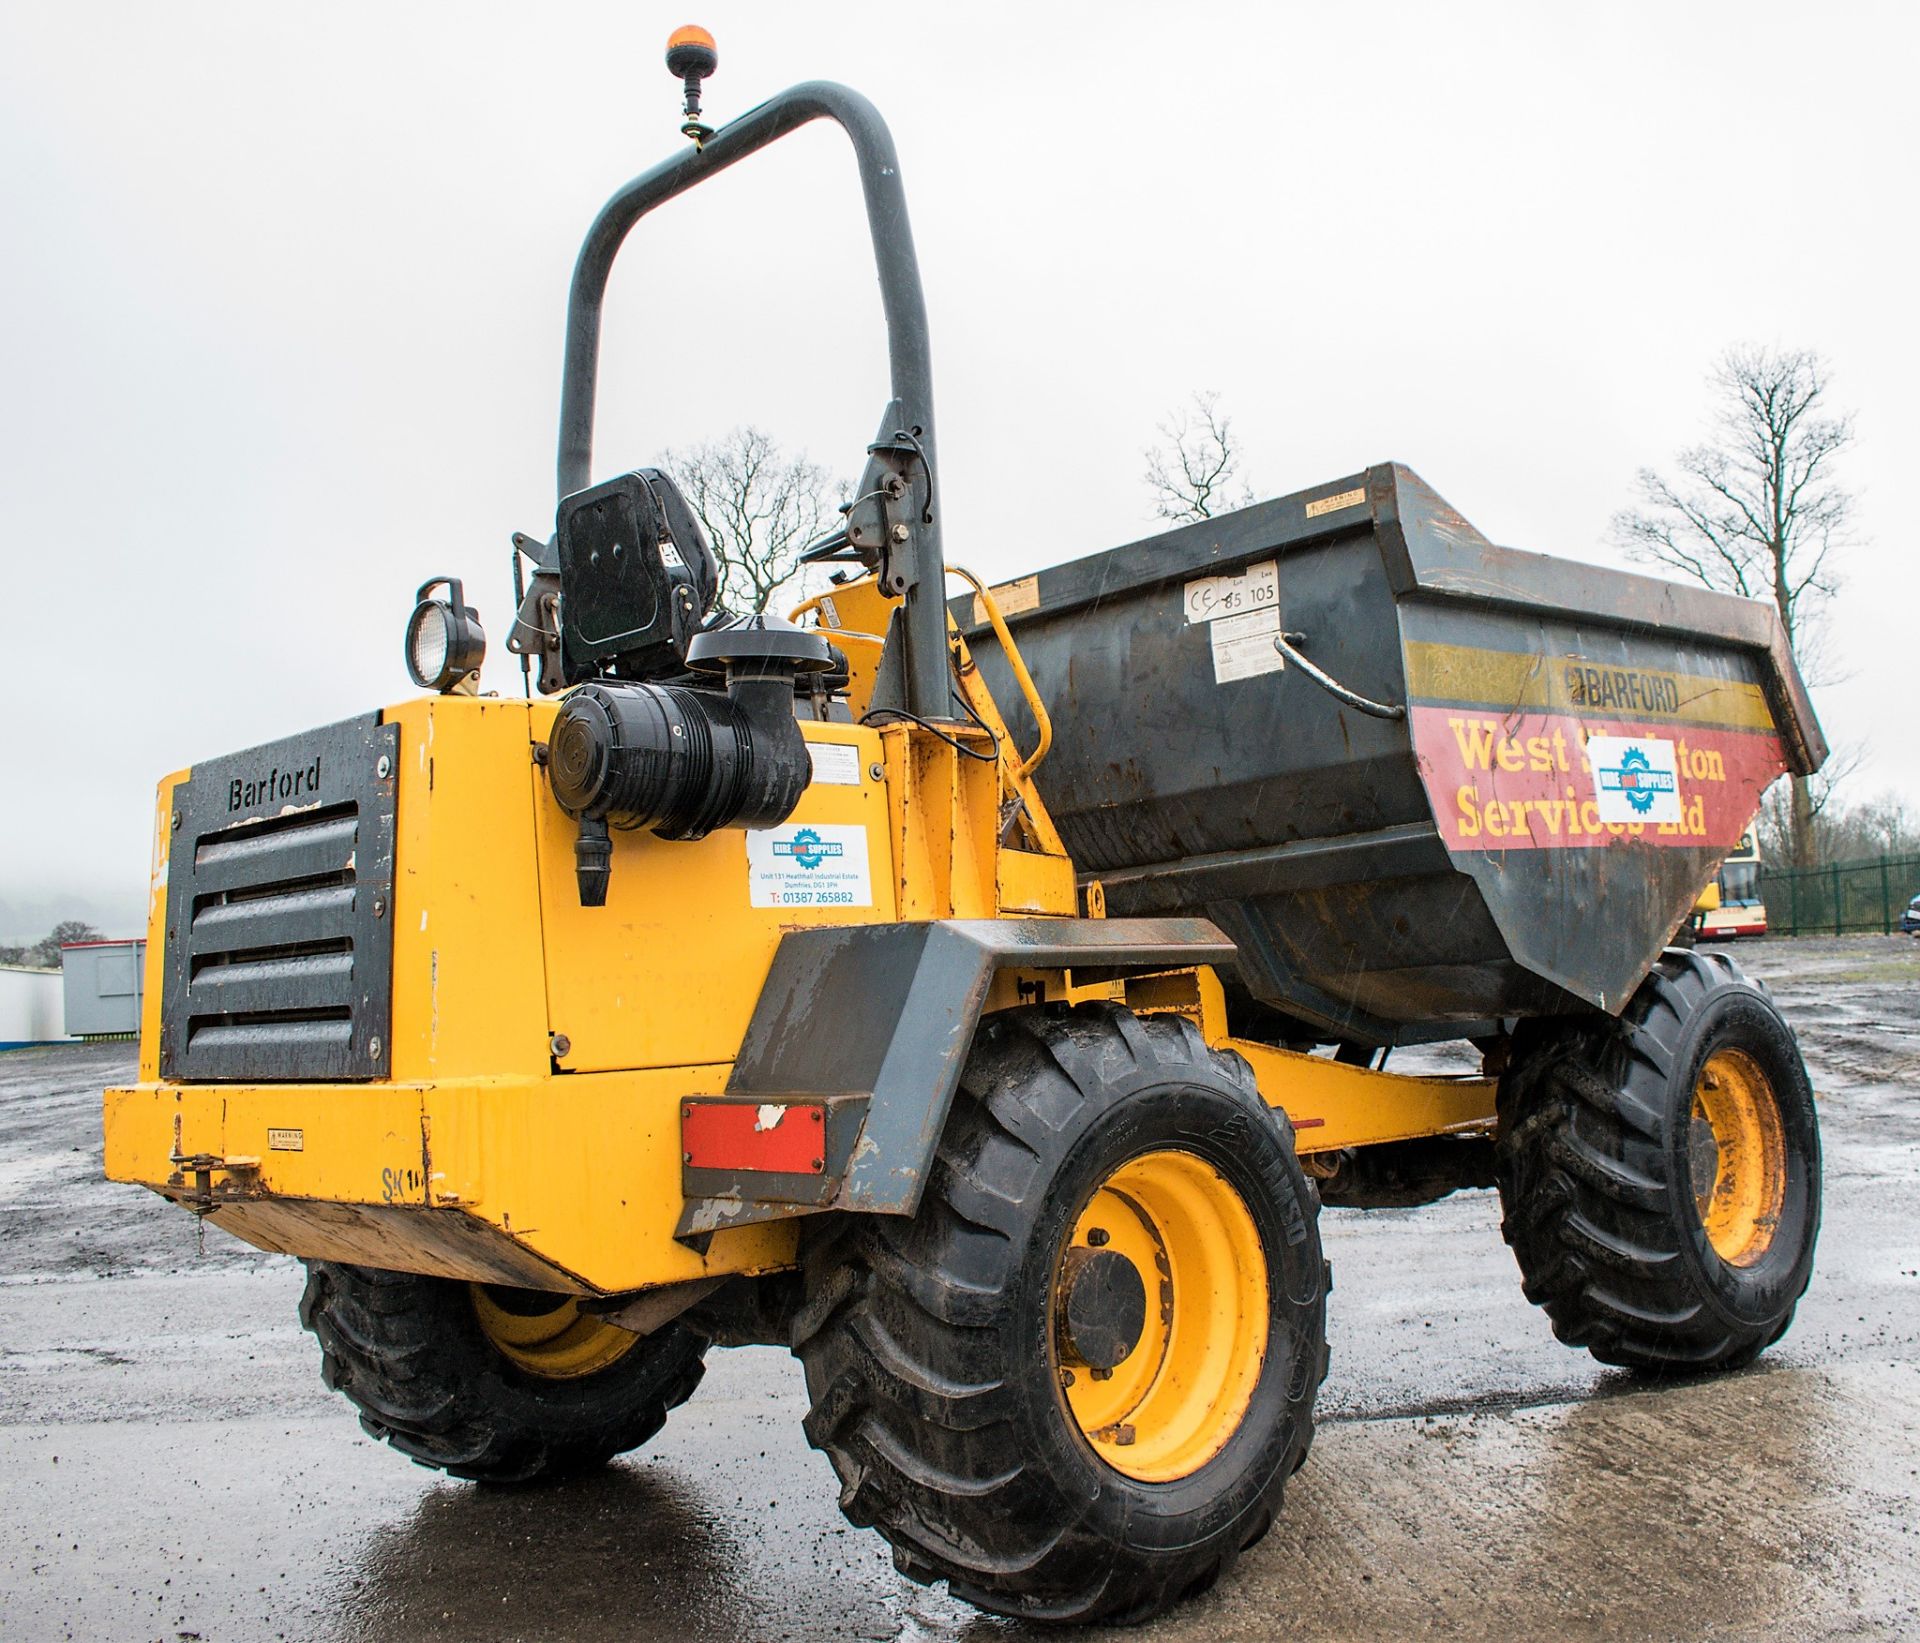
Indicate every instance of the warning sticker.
{"type": "Point", "coordinates": [1243, 645]}
{"type": "Point", "coordinates": [835, 763]}
{"type": "Point", "coordinates": [1011, 597]}
{"type": "Point", "coordinates": [1634, 780]}
{"type": "Point", "coordinates": [1333, 504]}
{"type": "Point", "coordinates": [286, 1140]}
{"type": "Point", "coordinates": [816, 865]}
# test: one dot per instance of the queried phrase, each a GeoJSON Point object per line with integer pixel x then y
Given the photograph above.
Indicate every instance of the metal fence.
{"type": "Point", "coordinates": [1847, 895]}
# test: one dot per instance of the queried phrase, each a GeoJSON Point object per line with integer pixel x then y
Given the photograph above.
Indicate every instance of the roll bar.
{"type": "Point", "coordinates": [917, 559]}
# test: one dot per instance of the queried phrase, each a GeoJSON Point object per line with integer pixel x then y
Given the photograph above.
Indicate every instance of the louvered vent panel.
{"type": "Point", "coordinates": [279, 927]}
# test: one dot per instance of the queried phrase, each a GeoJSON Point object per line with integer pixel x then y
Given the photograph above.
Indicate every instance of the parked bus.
{"type": "Point", "coordinates": [1731, 905]}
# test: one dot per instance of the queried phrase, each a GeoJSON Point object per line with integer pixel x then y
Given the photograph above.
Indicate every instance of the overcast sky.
{"type": "Point", "coordinates": [282, 294]}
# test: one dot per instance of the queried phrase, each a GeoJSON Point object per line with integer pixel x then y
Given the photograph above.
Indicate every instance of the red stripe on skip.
{"type": "Point", "coordinates": [787, 1138]}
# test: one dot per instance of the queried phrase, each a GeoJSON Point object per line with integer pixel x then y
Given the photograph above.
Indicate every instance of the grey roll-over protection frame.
{"type": "Point", "coordinates": [876, 1021]}
{"type": "Point", "coordinates": [915, 555]}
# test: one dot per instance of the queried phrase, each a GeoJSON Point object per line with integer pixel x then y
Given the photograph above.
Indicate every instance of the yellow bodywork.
{"type": "Point", "coordinates": [528, 1132]}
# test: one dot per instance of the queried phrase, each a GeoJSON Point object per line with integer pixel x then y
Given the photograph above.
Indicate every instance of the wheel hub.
{"type": "Point", "coordinates": [1159, 1315]}
{"type": "Point", "coordinates": [546, 1335]}
{"type": "Point", "coordinates": [1738, 1156]}
{"type": "Point", "coordinates": [1703, 1158]}
{"type": "Point", "coordinates": [1104, 1308]}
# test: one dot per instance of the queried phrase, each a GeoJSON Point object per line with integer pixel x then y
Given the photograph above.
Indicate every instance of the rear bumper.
{"type": "Point", "coordinates": [568, 1183]}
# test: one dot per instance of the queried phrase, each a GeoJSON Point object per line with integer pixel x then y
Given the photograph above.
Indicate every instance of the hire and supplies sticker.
{"type": "Point", "coordinates": [817, 865]}
{"type": "Point", "coordinates": [1635, 779]}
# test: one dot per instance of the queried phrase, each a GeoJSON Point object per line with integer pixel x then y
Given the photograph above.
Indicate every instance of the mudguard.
{"type": "Point", "coordinates": [860, 1036]}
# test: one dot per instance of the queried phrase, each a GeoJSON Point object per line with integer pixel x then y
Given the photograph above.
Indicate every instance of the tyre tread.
{"type": "Point", "coordinates": [923, 1452]}
{"type": "Point", "coordinates": [1583, 1168]}
{"type": "Point", "coordinates": [418, 1388]}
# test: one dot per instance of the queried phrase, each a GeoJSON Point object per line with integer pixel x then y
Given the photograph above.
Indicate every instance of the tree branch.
{"type": "Point", "coordinates": [759, 508]}
{"type": "Point", "coordinates": [1189, 469]}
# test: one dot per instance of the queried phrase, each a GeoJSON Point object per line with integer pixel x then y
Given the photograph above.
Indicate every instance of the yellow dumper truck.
{"type": "Point", "coordinates": [978, 990]}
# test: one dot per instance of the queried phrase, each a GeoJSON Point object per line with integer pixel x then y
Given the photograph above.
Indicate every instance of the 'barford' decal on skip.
{"type": "Point", "coordinates": [1621, 690]}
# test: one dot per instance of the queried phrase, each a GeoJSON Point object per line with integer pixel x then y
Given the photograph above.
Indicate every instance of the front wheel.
{"type": "Point", "coordinates": [1660, 1175]}
{"type": "Point", "coordinates": [1074, 1384]}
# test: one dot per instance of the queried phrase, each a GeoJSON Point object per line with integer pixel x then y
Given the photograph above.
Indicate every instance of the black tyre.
{"type": "Point", "coordinates": [1660, 1174]}
{"type": "Point", "coordinates": [498, 1385]}
{"type": "Point", "coordinates": [1074, 1385]}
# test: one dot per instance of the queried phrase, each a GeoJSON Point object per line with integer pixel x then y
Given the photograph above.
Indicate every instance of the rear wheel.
{"type": "Point", "coordinates": [499, 1385]}
{"type": "Point", "coordinates": [1074, 1384]}
{"type": "Point", "coordinates": [1661, 1174]}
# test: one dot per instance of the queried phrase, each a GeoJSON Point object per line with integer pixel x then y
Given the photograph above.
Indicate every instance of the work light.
{"type": "Point", "coordinates": [445, 642]}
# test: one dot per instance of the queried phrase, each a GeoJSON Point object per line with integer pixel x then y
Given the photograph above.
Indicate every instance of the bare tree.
{"type": "Point", "coordinates": [1885, 825]}
{"type": "Point", "coordinates": [1775, 823]}
{"type": "Point", "coordinates": [1193, 470]}
{"type": "Point", "coordinates": [1758, 510]}
{"type": "Point", "coordinates": [759, 507]}
{"type": "Point", "coordinates": [44, 954]}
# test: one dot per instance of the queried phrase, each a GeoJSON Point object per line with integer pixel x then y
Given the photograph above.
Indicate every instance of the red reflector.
{"type": "Point", "coordinates": [788, 1138]}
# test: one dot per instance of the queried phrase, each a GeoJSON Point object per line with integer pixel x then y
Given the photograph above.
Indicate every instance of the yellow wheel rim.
{"type": "Point", "coordinates": [547, 1335]}
{"type": "Point", "coordinates": [1738, 1153]}
{"type": "Point", "coordinates": [1182, 1387]}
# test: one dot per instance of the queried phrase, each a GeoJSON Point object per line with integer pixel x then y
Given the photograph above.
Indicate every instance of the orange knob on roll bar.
{"type": "Point", "coordinates": [691, 57]}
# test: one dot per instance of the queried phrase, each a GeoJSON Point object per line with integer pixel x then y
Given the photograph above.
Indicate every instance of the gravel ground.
{"type": "Point", "coordinates": [170, 1466]}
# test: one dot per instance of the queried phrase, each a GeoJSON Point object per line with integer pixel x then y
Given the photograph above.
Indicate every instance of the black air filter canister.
{"type": "Point", "coordinates": [682, 762]}
{"type": "Point", "coordinates": [685, 761]}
